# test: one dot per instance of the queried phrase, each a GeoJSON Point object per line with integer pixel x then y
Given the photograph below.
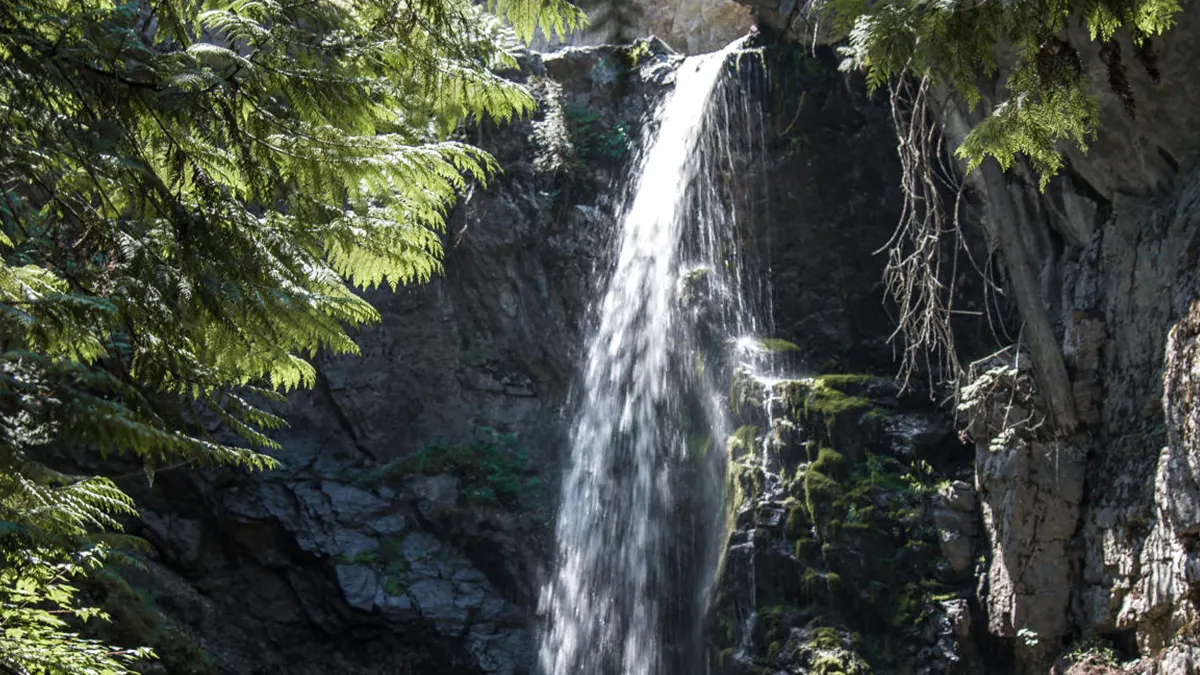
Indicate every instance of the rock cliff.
{"type": "Point", "coordinates": [1090, 538]}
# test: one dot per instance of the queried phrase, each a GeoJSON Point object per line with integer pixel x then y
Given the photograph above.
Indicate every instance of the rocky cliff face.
{"type": "Point", "coordinates": [406, 531]}
{"type": "Point", "coordinates": [1090, 538]}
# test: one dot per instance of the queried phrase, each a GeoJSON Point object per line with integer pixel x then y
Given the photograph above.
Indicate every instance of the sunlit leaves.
{"type": "Point", "coordinates": [956, 43]}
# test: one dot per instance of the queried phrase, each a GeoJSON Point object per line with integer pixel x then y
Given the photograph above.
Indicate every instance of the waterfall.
{"type": "Point", "coordinates": [641, 511]}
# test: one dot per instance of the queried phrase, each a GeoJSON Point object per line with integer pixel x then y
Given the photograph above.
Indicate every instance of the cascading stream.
{"type": "Point", "coordinates": [641, 502]}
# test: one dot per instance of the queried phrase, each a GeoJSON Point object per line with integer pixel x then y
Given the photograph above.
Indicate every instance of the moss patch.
{"type": "Point", "coordinates": [490, 470]}
{"type": "Point", "coordinates": [773, 345]}
{"type": "Point", "coordinates": [743, 441]}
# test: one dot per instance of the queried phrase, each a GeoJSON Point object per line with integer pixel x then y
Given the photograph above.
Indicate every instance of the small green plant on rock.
{"type": "Point", "coordinates": [638, 52]}
{"type": "Point", "coordinates": [594, 139]}
{"type": "Point", "coordinates": [489, 469]}
{"type": "Point", "coordinates": [1093, 649]}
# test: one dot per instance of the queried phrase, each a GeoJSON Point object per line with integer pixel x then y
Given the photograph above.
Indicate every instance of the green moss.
{"type": "Point", "coordinates": [744, 481]}
{"type": "Point", "coordinates": [745, 395]}
{"type": "Point", "coordinates": [909, 607]}
{"type": "Point", "coordinates": [833, 582]}
{"type": "Point", "coordinates": [774, 345]}
{"type": "Point", "coordinates": [852, 383]}
{"type": "Point", "coordinates": [805, 549]}
{"type": "Point", "coordinates": [774, 623]}
{"type": "Point", "coordinates": [820, 493]}
{"type": "Point", "coordinates": [825, 637]}
{"type": "Point", "coordinates": [742, 441]}
{"type": "Point", "coordinates": [830, 403]}
{"type": "Point", "coordinates": [829, 462]}
{"type": "Point", "coordinates": [724, 657]}
{"type": "Point", "coordinates": [798, 522]}
{"type": "Point", "coordinates": [488, 469]}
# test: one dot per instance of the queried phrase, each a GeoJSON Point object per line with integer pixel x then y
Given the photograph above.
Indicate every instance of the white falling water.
{"type": "Point", "coordinates": [640, 512]}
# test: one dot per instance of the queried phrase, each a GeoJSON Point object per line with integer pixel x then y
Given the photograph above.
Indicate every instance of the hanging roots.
{"type": "Point", "coordinates": [920, 275]}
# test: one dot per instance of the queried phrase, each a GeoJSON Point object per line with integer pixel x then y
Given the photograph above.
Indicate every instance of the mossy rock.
{"type": "Point", "coordinates": [831, 408]}
{"type": "Point", "coordinates": [491, 470]}
{"type": "Point", "coordinates": [823, 650]}
{"type": "Point", "coordinates": [854, 550]}
{"type": "Point", "coordinates": [829, 462]}
{"type": "Point", "coordinates": [806, 549]}
{"type": "Point", "coordinates": [821, 495]}
{"type": "Point", "coordinates": [856, 384]}
{"type": "Point", "coordinates": [774, 623]}
{"type": "Point", "coordinates": [777, 346]}
{"type": "Point", "coordinates": [746, 399]}
{"type": "Point", "coordinates": [742, 442]}
{"type": "Point", "coordinates": [799, 524]}
{"type": "Point", "coordinates": [743, 483]}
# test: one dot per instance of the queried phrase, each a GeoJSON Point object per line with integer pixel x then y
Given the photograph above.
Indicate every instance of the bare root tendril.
{"type": "Point", "coordinates": [916, 277]}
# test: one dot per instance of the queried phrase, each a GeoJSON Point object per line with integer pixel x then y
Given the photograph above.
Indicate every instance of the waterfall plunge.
{"type": "Point", "coordinates": [641, 502]}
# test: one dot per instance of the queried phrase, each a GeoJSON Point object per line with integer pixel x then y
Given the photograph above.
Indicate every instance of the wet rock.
{"type": "Point", "coordinates": [953, 513]}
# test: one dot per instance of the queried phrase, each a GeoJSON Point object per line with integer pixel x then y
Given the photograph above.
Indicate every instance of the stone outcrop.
{"type": "Point", "coordinates": [688, 26]}
{"type": "Point", "coordinates": [832, 563]}
{"type": "Point", "coordinates": [406, 530]}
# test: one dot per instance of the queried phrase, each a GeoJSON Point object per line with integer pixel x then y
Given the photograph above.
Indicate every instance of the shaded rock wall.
{"type": "Point", "coordinates": [835, 557]}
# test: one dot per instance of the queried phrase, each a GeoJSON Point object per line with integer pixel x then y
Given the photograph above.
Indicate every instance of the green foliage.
{"type": "Point", "coordinates": [488, 468]}
{"type": "Point", "coordinates": [957, 43]}
{"type": "Point", "coordinates": [638, 52]}
{"type": "Point", "coordinates": [1095, 650]}
{"type": "Point", "coordinates": [190, 191]}
{"type": "Point", "coordinates": [596, 140]}
{"type": "Point", "coordinates": [38, 611]}
{"type": "Point", "coordinates": [571, 140]}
